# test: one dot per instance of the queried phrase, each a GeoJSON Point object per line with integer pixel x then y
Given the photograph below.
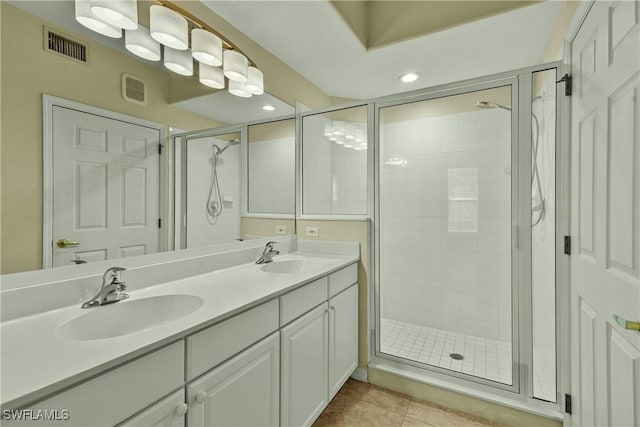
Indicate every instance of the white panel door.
{"type": "Point", "coordinates": [343, 338]}
{"type": "Point", "coordinates": [106, 187]}
{"type": "Point", "coordinates": [245, 391]}
{"type": "Point", "coordinates": [304, 368]}
{"type": "Point", "coordinates": [605, 215]}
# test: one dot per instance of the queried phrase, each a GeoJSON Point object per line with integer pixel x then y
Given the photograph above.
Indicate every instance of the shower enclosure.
{"type": "Point", "coordinates": [465, 234]}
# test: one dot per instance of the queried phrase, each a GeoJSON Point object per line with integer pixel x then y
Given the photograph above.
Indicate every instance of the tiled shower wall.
{"type": "Point", "coordinates": [272, 176]}
{"type": "Point", "coordinates": [201, 230]}
{"type": "Point", "coordinates": [446, 218]}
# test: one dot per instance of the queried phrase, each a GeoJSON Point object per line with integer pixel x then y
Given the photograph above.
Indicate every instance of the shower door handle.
{"type": "Point", "coordinates": [627, 324]}
{"type": "Point", "coordinates": [64, 243]}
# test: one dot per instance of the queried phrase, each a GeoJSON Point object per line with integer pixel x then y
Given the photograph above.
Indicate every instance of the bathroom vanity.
{"type": "Point", "coordinates": [245, 344]}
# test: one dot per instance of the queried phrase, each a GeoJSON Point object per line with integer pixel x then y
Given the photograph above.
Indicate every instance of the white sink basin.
{"type": "Point", "coordinates": [126, 317]}
{"type": "Point", "coordinates": [288, 266]}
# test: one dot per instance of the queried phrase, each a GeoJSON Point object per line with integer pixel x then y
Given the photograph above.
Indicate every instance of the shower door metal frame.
{"type": "Point", "coordinates": [520, 393]}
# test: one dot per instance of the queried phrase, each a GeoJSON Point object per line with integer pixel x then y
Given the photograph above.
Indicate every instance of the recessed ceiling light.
{"type": "Point", "coordinates": [268, 107]}
{"type": "Point", "coordinates": [409, 77]}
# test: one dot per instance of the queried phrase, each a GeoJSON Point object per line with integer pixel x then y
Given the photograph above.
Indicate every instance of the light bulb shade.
{"type": "Point", "coordinates": [255, 81]}
{"type": "Point", "coordinates": [178, 61]}
{"type": "Point", "coordinates": [140, 43]}
{"type": "Point", "coordinates": [211, 76]}
{"type": "Point", "coordinates": [235, 66]}
{"type": "Point", "coordinates": [238, 89]}
{"type": "Point", "coordinates": [119, 13]}
{"type": "Point", "coordinates": [169, 27]}
{"type": "Point", "coordinates": [206, 47]}
{"type": "Point", "coordinates": [87, 18]}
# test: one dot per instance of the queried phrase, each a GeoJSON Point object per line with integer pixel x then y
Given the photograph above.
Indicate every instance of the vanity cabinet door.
{"type": "Point", "coordinates": [169, 412]}
{"type": "Point", "coordinates": [244, 391]}
{"type": "Point", "coordinates": [343, 338]}
{"type": "Point", "coordinates": [304, 368]}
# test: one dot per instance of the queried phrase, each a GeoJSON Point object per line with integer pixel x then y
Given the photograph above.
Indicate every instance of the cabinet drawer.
{"type": "Point", "coordinates": [120, 393]}
{"type": "Point", "coordinates": [342, 279]}
{"type": "Point", "coordinates": [296, 303]}
{"type": "Point", "coordinates": [218, 343]}
{"type": "Point", "coordinates": [169, 412]}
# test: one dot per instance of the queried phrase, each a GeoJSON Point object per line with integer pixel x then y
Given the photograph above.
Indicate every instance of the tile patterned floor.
{"type": "Point", "coordinates": [483, 357]}
{"type": "Point", "coordinates": [359, 404]}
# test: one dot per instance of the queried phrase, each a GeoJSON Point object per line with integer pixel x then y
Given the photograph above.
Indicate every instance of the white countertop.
{"type": "Point", "coordinates": [36, 362]}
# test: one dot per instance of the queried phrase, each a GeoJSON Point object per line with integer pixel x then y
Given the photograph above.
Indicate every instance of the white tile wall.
{"type": "Point", "coordinates": [446, 222]}
{"type": "Point", "coordinates": [201, 230]}
{"type": "Point", "coordinates": [272, 176]}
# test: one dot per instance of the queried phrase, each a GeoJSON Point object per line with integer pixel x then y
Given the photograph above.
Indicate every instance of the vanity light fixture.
{"type": "Point", "coordinates": [206, 47]}
{"type": "Point", "coordinates": [178, 61]}
{"type": "Point", "coordinates": [89, 19]}
{"type": "Point", "coordinates": [268, 107]}
{"type": "Point", "coordinates": [235, 66]}
{"type": "Point", "coordinates": [118, 13]}
{"type": "Point", "coordinates": [211, 76]}
{"type": "Point", "coordinates": [255, 83]}
{"type": "Point", "coordinates": [140, 43]}
{"type": "Point", "coordinates": [409, 77]}
{"type": "Point", "coordinates": [238, 89]}
{"type": "Point", "coordinates": [169, 27]}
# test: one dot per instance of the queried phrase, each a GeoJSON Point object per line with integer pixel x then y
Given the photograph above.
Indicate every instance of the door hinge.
{"type": "Point", "coordinates": [567, 403]}
{"type": "Point", "coordinates": [159, 222]}
{"type": "Point", "coordinates": [567, 245]}
{"type": "Point", "coordinates": [567, 79]}
{"type": "Point", "coordinates": [160, 148]}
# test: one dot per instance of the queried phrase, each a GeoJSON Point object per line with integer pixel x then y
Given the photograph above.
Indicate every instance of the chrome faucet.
{"type": "Point", "coordinates": [110, 291]}
{"type": "Point", "coordinates": [268, 253]}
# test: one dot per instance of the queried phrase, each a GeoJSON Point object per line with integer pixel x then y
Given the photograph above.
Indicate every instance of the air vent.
{"type": "Point", "coordinates": [65, 46]}
{"type": "Point", "coordinates": [134, 89]}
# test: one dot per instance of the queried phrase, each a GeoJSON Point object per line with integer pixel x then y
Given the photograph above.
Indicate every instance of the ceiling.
{"type": "Point", "coordinates": [360, 54]}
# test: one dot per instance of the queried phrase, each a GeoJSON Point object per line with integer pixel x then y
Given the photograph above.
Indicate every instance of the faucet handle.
{"type": "Point", "coordinates": [112, 273]}
{"type": "Point", "coordinates": [270, 245]}
{"type": "Point", "coordinates": [121, 286]}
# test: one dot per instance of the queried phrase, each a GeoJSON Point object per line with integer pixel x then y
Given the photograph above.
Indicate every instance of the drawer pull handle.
{"type": "Point", "coordinates": [201, 396]}
{"type": "Point", "coordinates": [181, 409]}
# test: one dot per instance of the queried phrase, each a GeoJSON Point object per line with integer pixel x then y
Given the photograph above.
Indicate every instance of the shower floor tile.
{"type": "Point", "coordinates": [482, 357]}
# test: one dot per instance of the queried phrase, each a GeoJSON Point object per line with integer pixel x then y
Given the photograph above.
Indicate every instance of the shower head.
{"type": "Point", "coordinates": [487, 105]}
{"type": "Point", "coordinates": [235, 141]}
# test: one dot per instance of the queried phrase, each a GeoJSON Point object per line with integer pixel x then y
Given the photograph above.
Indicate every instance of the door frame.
{"type": "Point", "coordinates": [48, 103]}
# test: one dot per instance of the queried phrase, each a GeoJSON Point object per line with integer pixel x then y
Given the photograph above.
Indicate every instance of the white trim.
{"type": "Point", "coordinates": [331, 217]}
{"type": "Point", "coordinates": [361, 374]}
{"type": "Point", "coordinates": [578, 19]}
{"type": "Point", "coordinates": [268, 215]}
{"type": "Point", "coordinates": [48, 102]}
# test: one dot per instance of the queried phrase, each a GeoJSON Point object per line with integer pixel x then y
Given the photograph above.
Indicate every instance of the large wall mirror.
{"type": "Point", "coordinates": [86, 93]}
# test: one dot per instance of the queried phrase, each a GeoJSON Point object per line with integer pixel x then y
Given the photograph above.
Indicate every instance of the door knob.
{"type": "Point", "coordinates": [201, 396]}
{"type": "Point", "coordinates": [627, 324]}
{"type": "Point", "coordinates": [63, 243]}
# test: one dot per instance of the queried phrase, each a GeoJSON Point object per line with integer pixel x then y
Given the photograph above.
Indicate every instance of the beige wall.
{"type": "Point", "coordinates": [250, 226]}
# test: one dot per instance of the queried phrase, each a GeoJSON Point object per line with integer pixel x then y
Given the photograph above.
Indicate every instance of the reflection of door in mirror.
{"type": "Point", "coordinates": [105, 188]}
{"type": "Point", "coordinates": [213, 190]}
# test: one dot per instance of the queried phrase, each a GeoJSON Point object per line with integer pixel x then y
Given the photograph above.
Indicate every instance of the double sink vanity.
{"type": "Point", "coordinates": [204, 338]}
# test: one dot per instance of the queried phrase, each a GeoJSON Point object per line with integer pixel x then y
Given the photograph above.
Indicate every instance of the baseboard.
{"type": "Point", "coordinates": [361, 374]}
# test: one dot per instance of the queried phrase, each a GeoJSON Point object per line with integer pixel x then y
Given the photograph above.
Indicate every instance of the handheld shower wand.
{"type": "Point", "coordinates": [215, 207]}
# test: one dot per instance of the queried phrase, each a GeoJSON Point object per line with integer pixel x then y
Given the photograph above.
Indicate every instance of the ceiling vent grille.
{"type": "Point", "coordinates": [134, 89]}
{"type": "Point", "coordinates": [63, 45]}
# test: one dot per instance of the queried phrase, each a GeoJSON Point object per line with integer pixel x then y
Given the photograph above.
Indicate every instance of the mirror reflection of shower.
{"type": "Point", "coordinates": [215, 203]}
{"type": "Point", "coordinates": [537, 197]}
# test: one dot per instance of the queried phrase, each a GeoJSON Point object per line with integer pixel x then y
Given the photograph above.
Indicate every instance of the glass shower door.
{"type": "Point", "coordinates": [445, 234]}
